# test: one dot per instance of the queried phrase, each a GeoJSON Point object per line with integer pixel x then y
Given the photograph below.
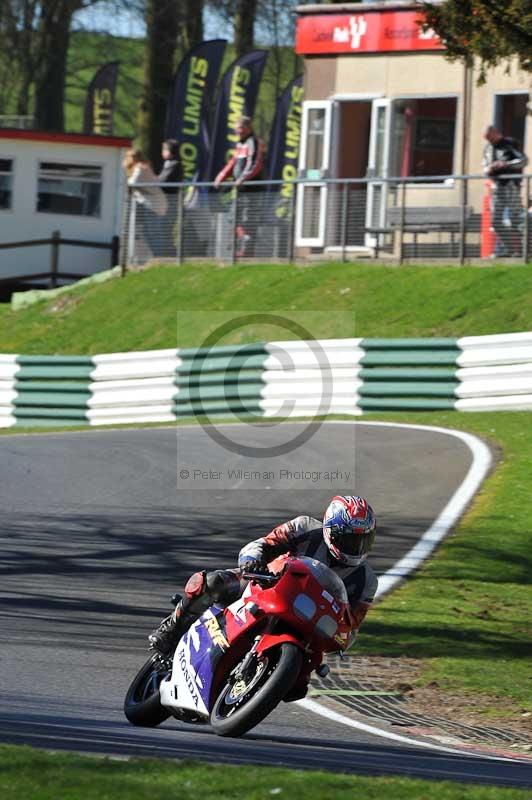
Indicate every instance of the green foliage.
{"type": "Point", "coordinates": [86, 54]}
{"type": "Point", "coordinates": [488, 29]}
{"type": "Point", "coordinates": [29, 773]}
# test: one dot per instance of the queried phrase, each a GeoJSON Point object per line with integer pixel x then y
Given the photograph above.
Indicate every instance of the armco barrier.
{"type": "Point", "coordinates": [408, 374]}
{"type": "Point", "coordinates": [308, 378]}
{"type": "Point", "coordinates": [275, 379]}
{"type": "Point", "coordinates": [221, 380]}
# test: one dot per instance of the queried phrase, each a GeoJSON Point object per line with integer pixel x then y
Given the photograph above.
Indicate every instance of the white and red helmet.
{"type": "Point", "coordinates": [349, 527]}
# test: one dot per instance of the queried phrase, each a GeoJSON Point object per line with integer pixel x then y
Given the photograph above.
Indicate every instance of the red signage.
{"type": "Point", "coordinates": [371, 32]}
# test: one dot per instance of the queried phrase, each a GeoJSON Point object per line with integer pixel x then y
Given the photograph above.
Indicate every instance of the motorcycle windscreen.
{"type": "Point", "coordinates": [327, 578]}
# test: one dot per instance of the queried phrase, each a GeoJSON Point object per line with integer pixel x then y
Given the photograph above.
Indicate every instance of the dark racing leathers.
{"type": "Point", "coordinates": [299, 536]}
{"type": "Point", "coordinates": [502, 161]}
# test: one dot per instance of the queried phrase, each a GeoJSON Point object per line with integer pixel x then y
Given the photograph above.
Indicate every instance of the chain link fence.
{"type": "Point", "coordinates": [462, 218]}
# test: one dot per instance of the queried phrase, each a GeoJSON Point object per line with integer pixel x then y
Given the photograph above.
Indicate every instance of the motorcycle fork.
{"type": "Point", "coordinates": [238, 673]}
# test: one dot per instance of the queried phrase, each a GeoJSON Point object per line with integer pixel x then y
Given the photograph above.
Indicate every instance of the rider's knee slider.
{"type": "Point", "coordinates": [195, 585]}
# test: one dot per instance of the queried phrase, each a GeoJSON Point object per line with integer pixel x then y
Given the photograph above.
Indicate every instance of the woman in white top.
{"type": "Point", "coordinates": [151, 203]}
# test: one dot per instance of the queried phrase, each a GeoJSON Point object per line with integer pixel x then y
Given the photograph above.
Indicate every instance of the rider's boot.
{"type": "Point", "coordinates": [297, 692]}
{"type": "Point", "coordinates": [164, 639]}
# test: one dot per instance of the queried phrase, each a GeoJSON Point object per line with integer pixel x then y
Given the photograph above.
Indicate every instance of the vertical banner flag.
{"type": "Point", "coordinates": [283, 150]}
{"type": "Point", "coordinates": [187, 110]}
{"type": "Point", "coordinates": [237, 96]}
{"type": "Point", "coordinates": [100, 102]}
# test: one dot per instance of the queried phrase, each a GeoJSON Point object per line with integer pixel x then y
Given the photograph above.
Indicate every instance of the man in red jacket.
{"type": "Point", "coordinates": [246, 164]}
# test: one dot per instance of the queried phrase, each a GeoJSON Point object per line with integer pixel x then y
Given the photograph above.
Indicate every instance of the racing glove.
{"type": "Point", "coordinates": [258, 567]}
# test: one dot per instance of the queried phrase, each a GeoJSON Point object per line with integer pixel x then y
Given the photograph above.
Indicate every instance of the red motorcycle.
{"type": "Point", "coordinates": [234, 665]}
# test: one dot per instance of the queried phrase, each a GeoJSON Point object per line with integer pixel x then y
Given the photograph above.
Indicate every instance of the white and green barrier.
{"type": "Point", "coordinates": [292, 378]}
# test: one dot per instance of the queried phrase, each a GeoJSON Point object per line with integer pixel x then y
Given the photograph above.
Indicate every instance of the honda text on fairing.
{"type": "Point", "coordinates": [234, 665]}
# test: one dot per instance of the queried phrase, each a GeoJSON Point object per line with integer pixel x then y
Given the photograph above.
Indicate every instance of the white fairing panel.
{"type": "Point", "coordinates": [182, 688]}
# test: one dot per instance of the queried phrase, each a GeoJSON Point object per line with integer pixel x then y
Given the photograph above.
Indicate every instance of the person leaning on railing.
{"type": "Point", "coordinates": [150, 199]}
{"type": "Point", "coordinates": [502, 161]}
{"type": "Point", "coordinates": [170, 174]}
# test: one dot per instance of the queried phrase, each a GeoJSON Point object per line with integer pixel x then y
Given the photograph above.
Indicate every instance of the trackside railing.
{"type": "Point", "coordinates": [457, 218]}
{"type": "Point", "coordinates": [54, 275]}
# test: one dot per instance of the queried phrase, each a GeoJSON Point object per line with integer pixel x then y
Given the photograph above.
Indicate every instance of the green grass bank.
{"type": "Point", "coordinates": [29, 773]}
{"type": "Point", "coordinates": [466, 614]}
{"type": "Point", "coordinates": [140, 312]}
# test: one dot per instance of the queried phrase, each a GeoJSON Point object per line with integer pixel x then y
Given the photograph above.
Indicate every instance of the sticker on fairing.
{"type": "Point", "coordinates": [212, 627]}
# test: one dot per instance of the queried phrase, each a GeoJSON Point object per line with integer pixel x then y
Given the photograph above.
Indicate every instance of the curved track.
{"type": "Point", "coordinates": [95, 536]}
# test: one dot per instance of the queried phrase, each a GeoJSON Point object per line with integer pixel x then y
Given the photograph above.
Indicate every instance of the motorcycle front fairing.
{"type": "Point", "coordinates": [195, 661]}
{"type": "Point", "coordinates": [198, 659]}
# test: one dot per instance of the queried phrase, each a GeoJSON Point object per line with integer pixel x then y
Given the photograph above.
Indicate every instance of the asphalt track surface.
{"type": "Point", "coordinates": [95, 537]}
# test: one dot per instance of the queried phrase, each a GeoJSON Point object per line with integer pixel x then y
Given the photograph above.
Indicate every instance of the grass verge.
{"type": "Point", "coordinates": [140, 311]}
{"type": "Point", "coordinates": [36, 774]}
{"type": "Point", "coordinates": [466, 613]}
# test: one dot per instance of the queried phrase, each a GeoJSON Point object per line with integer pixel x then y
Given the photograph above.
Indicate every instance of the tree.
{"type": "Point", "coordinates": [162, 24]}
{"type": "Point", "coordinates": [245, 13]}
{"type": "Point", "coordinates": [492, 31]}
{"type": "Point", "coordinates": [34, 39]}
{"type": "Point", "coordinates": [51, 57]}
{"type": "Point", "coordinates": [192, 23]}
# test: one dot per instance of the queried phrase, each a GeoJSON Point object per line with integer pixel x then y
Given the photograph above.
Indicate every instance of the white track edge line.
{"type": "Point", "coordinates": [447, 518]}
{"type": "Point", "coordinates": [335, 716]}
{"type": "Point", "coordinates": [450, 514]}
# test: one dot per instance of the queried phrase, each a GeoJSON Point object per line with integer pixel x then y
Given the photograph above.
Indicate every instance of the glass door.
{"type": "Point", "coordinates": [378, 166]}
{"type": "Point", "coordinates": [314, 160]}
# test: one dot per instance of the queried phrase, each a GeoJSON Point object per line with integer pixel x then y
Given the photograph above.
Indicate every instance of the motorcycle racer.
{"type": "Point", "coordinates": [342, 541]}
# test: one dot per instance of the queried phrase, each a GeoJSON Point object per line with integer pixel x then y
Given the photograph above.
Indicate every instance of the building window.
{"type": "Point", "coordinates": [69, 189]}
{"type": "Point", "coordinates": [423, 135]}
{"type": "Point", "coordinates": [511, 114]}
{"type": "Point", "coordinates": [6, 183]}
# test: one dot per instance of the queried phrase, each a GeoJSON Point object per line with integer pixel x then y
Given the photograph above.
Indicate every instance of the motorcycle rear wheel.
{"type": "Point", "coordinates": [142, 705]}
{"type": "Point", "coordinates": [234, 714]}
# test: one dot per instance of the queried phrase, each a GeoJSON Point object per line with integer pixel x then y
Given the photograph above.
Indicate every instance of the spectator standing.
{"type": "Point", "coordinates": [150, 200]}
{"type": "Point", "coordinates": [246, 164]}
{"type": "Point", "coordinates": [171, 172]}
{"type": "Point", "coordinates": [504, 163]}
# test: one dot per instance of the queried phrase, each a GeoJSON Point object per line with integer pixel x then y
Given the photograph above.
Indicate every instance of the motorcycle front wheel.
{"type": "Point", "coordinates": [245, 702]}
{"type": "Point", "coordinates": [142, 705]}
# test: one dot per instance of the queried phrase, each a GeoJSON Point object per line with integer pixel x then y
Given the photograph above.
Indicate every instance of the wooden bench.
{"type": "Point", "coordinates": [422, 219]}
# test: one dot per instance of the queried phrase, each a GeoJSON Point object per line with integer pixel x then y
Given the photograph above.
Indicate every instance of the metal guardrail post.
{"type": "Point", "coordinates": [180, 223]}
{"type": "Point", "coordinates": [345, 198]}
{"type": "Point", "coordinates": [402, 221]}
{"type": "Point", "coordinates": [126, 232]}
{"type": "Point", "coordinates": [234, 212]}
{"type": "Point", "coordinates": [54, 258]}
{"type": "Point", "coordinates": [526, 222]}
{"type": "Point", "coordinates": [115, 251]}
{"type": "Point", "coordinates": [292, 234]}
{"type": "Point", "coordinates": [463, 232]}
